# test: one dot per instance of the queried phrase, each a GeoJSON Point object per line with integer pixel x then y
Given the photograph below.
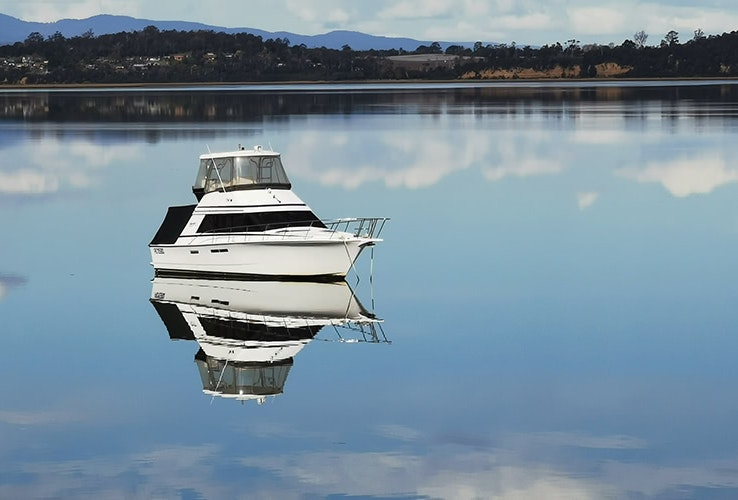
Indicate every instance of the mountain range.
{"type": "Point", "coordinates": [16, 30]}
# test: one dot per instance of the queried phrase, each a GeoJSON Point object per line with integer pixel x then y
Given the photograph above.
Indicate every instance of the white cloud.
{"type": "Point", "coordinates": [317, 15]}
{"type": "Point", "coordinates": [517, 163]}
{"type": "Point", "coordinates": [419, 161]}
{"type": "Point", "coordinates": [338, 16]}
{"type": "Point", "coordinates": [651, 480]}
{"type": "Point", "coordinates": [399, 432]}
{"type": "Point", "coordinates": [448, 31]}
{"type": "Point", "coordinates": [525, 21]}
{"type": "Point", "coordinates": [513, 483]}
{"type": "Point", "coordinates": [423, 160]}
{"type": "Point", "coordinates": [49, 11]}
{"type": "Point", "coordinates": [460, 474]}
{"type": "Point", "coordinates": [538, 465]}
{"type": "Point", "coordinates": [593, 136]}
{"type": "Point", "coordinates": [586, 200]}
{"type": "Point", "coordinates": [415, 9]}
{"type": "Point", "coordinates": [28, 181]}
{"type": "Point", "coordinates": [161, 473]}
{"type": "Point", "coordinates": [478, 8]}
{"type": "Point", "coordinates": [531, 21]}
{"type": "Point", "coordinates": [304, 10]}
{"type": "Point", "coordinates": [522, 167]}
{"type": "Point", "coordinates": [430, 163]}
{"type": "Point", "coordinates": [657, 19]}
{"type": "Point", "coordinates": [360, 175]}
{"type": "Point", "coordinates": [54, 165]}
{"type": "Point", "coordinates": [685, 176]}
{"type": "Point", "coordinates": [597, 20]}
{"type": "Point", "coordinates": [96, 155]}
{"type": "Point", "coordinates": [579, 440]}
{"type": "Point", "coordinates": [36, 418]}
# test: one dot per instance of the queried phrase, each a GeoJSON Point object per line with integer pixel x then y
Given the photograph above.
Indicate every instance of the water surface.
{"type": "Point", "coordinates": [557, 286]}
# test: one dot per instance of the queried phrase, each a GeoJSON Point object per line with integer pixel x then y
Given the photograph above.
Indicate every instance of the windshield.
{"type": "Point", "coordinates": [234, 172]}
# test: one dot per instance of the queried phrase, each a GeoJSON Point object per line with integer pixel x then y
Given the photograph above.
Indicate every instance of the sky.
{"type": "Point", "coordinates": [534, 22]}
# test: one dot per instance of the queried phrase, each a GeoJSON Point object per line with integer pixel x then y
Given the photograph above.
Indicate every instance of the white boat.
{"type": "Point", "coordinates": [249, 222]}
{"type": "Point", "coordinates": [250, 331]}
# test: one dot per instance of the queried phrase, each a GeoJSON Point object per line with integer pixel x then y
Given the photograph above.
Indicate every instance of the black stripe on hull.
{"type": "Point", "coordinates": [218, 275]}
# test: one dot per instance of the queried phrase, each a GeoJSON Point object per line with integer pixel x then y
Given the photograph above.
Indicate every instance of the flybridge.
{"type": "Point", "coordinates": [241, 169]}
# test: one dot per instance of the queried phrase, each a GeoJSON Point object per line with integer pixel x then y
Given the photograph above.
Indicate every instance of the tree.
{"type": "Point", "coordinates": [698, 34]}
{"type": "Point", "coordinates": [435, 48]}
{"type": "Point", "coordinates": [34, 39]}
{"type": "Point", "coordinates": [57, 37]}
{"type": "Point", "coordinates": [671, 38]}
{"type": "Point", "coordinates": [572, 46]}
{"type": "Point", "coordinates": [640, 38]}
{"type": "Point", "coordinates": [456, 50]}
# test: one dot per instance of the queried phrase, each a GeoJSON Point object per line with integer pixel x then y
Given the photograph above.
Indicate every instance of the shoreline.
{"type": "Point", "coordinates": [464, 82]}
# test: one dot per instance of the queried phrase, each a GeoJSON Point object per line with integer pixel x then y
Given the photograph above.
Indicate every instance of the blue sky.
{"type": "Point", "coordinates": [522, 21]}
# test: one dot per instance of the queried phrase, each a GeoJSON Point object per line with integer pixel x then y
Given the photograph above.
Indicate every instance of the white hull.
{"type": "Point", "coordinates": [260, 256]}
{"type": "Point", "coordinates": [280, 302]}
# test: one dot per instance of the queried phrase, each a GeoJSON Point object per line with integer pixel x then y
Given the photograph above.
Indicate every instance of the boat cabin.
{"type": "Point", "coordinates": [242, 169]}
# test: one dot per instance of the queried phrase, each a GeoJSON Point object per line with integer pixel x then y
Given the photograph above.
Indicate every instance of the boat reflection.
{"type": "Point", "coordinates": [250, 331]}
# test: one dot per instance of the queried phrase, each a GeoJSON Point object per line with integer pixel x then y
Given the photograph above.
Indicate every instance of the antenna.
{"type": "Point", "coordinates": [217, 172]}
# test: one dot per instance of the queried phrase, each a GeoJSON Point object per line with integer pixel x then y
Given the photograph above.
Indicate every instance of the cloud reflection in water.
{"type": "Point", "coordinates": [685, 175]}
{"type": "Point", "coordinates": [443, 471]}
{"type": "Point", "coordinates": [54, 165]}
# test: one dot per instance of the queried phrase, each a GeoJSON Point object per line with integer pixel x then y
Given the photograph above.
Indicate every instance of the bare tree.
{"type": "Point", "coordinates": [699, 34]}
{"type": "Point", "coordinates": [640, 38]}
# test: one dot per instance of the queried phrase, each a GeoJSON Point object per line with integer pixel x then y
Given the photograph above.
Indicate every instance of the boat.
{"type": "Point", "coordinates": [248, 222]}
{"type": "Point", "coordinates": [249, 332]}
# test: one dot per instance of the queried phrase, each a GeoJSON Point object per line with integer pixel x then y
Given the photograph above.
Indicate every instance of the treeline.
{"type": "Point", "coordinates": [155, 56]}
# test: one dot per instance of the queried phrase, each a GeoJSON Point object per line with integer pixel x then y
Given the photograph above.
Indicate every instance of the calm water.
{"type": "Point", "coordinates": [558, 286]}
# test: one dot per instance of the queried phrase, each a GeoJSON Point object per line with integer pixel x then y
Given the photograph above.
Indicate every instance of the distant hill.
{"type": "Point", "coordinates": [16, 30]}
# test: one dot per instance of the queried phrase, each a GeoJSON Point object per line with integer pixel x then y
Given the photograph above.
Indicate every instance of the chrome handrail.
{"type": "Point", "coordinates": [361, 227]}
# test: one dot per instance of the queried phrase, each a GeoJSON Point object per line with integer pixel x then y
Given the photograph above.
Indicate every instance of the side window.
{"type": "Point", "coordinates": [212, 183]}
{"type": "Point", "coordinates": [220, 170]}
{"type": "Point", "coordinates": [201, 175]}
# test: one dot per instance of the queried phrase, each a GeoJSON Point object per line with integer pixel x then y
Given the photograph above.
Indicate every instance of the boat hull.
{"type": "Point", "coordinates": [329, 259]}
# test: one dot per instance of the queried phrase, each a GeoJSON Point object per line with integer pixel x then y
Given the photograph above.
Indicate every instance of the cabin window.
{"type": "Point", "coordinates": [244, 330]}
{"type": "Point", "coordinates": [261, 221]}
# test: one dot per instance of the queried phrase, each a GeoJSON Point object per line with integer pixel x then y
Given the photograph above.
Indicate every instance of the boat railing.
{"type": "Point", "coordinates": [369, 331]}
{"type": "Point", "coordinates": [361, 227]}
{"type": "Point", "coordinates": [366, 329]}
